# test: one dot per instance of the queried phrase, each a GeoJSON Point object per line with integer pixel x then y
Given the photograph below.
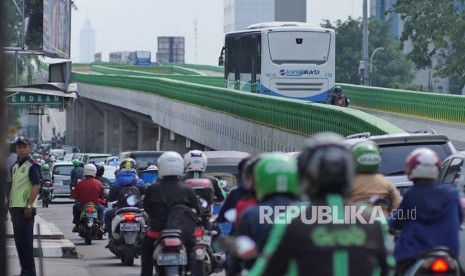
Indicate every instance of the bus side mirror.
{"type": "Point", "coordinates": [221, 59]}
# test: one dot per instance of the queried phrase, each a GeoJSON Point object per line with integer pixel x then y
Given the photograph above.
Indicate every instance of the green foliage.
{"type": "Point", "coordinates": [435, 30]}
{"type": "Point", "coordinates": [390, 66]}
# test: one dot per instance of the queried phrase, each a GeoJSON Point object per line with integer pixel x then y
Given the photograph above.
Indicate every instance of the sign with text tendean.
{"type": "Point", "coordinates": [27, 98]}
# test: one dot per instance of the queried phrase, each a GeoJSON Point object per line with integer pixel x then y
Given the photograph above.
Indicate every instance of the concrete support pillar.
{"type": "Point", "coordinates": [140, 135]}
{"type": "Point", "coordinates": [107, 130]}
{"type": "Point", "coordinates": [120, 133]}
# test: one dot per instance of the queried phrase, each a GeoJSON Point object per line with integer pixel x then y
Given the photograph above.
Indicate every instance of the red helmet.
{"type": "Point", "coordinates": [422, 163]}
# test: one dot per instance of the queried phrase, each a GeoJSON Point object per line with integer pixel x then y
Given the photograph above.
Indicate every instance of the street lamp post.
{"type": "Point", "coordinates": [371, 61]}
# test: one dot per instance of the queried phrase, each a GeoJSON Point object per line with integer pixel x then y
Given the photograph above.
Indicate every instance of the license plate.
{"type": "Point", "coordinates": [129, 227]}
{"type": "Point", "coordinates": [204, 240]}
{"type": "Point", "coordinates": [172, 259]}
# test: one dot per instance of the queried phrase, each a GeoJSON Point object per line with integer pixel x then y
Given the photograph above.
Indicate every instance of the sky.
{"type": "Point", "coordinates": [129, 25]}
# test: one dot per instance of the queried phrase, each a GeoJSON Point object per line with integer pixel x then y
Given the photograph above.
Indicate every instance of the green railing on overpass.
{"type": "Point", "coordinates": [152, 71]}
{"type": "Point", "coordinates": [448, 108]}
{"type": "Point", "coordinates": [289, 115]}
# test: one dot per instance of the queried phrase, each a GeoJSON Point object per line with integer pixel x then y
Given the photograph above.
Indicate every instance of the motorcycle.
{"type": "Point", "coordinates": [170, 256]}
{"type": "Point", "coordinates": [207, 261]}
{"type": "Point", "coordinates": [438, 261]}
{"type": "Point", "coordinates": [128, 228]}
{"type": "Point", "coordinates": [47, 193]}
{"type": "Point", "coordinates": [89, 226]}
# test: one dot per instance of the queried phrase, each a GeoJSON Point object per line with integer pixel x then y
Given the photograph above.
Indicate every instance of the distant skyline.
{"type": "Point", "coordinates": [122, 25]}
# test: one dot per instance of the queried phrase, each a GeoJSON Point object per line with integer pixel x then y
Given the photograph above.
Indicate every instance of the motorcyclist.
{"type": "Point", "coordinates": [326, 169]}
{"type": "Point", "coordinates": [195, 164]}
{"type": "Point", "coordinates": [235, 195]}
{"type": "Point", "coordinates": [275, 185]}
{"type": "Point", "coordinates": [338, 98]}
{"type": "Point", "coordinates": [430, 213]}
{"type": "Point", "coordinates": [46, 176]}
{"type": "Point", "coordinates": [87, 190]}
{"type": "Point", "coordinates": [76, 174]}
{"type": "Point", "coordinates": [369, 186]}
{"type": "Point", "coordinates": [127, 177]}
{"type": "Point", "coordinates": [100, 171]}
{"type": "Point", "coordinates": [169, 191]}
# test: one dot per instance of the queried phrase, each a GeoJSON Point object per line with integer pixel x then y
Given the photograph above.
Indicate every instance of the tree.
{"type": "Point", "coordinates": [390, 67]}
{"type": "Point", "coordinates": [435, 30]}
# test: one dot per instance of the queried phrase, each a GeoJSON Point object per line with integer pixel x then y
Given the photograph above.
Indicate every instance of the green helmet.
{"type": "Point", "coordinates": [367, 156]}
{"type": "Point", "coordinates": [45, 168]}
{"type": "Point", "coordinates": [275, 173]}
{"type": "Point", "coordinates": [76, 162]}
{"type": "Point", "coordinates": [35, 155]}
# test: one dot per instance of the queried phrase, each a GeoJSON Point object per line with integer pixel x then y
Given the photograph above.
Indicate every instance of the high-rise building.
{"type": "Point", "coordinates": [238, 14]}
{"type": "Point", "coordinates": [87, 43]}
{"type": "Point", "coordinates": [171, 49]}
{"type": "Point", "coordinates": [425, 77]}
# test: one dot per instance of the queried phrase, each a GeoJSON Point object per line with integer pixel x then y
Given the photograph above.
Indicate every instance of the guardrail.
{"type": "Point", "coordinates": [149, 72]}
{"type": "Point", "coordinates": [448, 108]}
{"type": "Point", "coordinates": [286, 114]}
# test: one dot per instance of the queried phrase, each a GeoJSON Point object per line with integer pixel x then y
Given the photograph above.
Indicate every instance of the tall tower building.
{"type": "Point", "coordinates": [238, 14]}
{"type": "Point", "coordinates": [87, 43]}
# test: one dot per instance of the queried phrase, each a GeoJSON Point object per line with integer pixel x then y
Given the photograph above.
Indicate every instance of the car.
{"type": "Point", "coordinates": [95, 157]}
{"type": "Point", "coordinates": [143, 158]}
{"type": "Point", "coordinates": [61, 178]}
{"type": "Point", "coordinates": [112, 161]}
{"type": "Point", "coordinates": [69, 149]}
{"type": "Point", "coordinates": [109, 173]}
{"type": "Point", "coordinates": [68, 157]}
{"type": "Point", "coordinates": [453, 171]}
{"type": "Point", "coordinates": [58, 153]}
{"type": "Point", "coordinates": [223, 166]}
{"type": "Point", "coordinates": [396, 147]}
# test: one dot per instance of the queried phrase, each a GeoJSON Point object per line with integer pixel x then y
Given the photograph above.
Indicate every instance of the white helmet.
{"type": "Point", "coordinates": [90, 170]}
{"type": "Point", "coordinates": [152, 168]}
{"type": "Point", "coordinates": [195, 161]}
{"type": "Point", "coordinates": [422, 163]}
{"type": "Point", "coordinates": [170, 163]}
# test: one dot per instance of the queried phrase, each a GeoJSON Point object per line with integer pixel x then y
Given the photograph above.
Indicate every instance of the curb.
{"type": "Point", "coordinates": [50, 249]}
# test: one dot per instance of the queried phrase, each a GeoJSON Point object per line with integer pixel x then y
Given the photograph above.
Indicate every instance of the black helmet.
{"type": "Point", "coordinates": [326, 165]}
{"type": "Point", "coordinates": [100, 169]}
{"type": "Point", "coordinates": [337, 89]}
{"type": "Point", "coordinates": [247, 171]}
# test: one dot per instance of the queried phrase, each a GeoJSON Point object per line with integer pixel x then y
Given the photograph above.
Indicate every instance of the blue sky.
{"type": "Point", "coordinates": [135, 25]}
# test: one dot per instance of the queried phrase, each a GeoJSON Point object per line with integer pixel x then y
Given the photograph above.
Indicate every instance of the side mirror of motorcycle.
{"type": "Point", "coordinates": [230, 215]}
{"type": "Point", "coordinates": [132, 200]}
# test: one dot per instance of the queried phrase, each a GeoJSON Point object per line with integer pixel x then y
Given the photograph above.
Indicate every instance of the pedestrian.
{"type": "Point", "coordinates": [26, 177]}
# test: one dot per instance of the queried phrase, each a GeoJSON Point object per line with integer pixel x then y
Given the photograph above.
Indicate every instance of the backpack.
{"type": "Point", "coordinates": [126, 192]}
{"type": "Point", "coordinates": [183, 218]}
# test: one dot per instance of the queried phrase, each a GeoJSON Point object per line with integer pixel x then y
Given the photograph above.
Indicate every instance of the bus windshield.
{"type": "Point", "coordinates": [299, 47]}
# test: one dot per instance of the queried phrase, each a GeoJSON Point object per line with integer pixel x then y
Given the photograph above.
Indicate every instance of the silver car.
{"type": "Point", "coordinates": [61, 177]}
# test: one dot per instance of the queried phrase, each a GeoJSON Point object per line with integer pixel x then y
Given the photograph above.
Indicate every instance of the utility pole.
{"type": "Point", "coordinates": [195, 31]}
{"type": "Point", "coordinates": [364, 62]}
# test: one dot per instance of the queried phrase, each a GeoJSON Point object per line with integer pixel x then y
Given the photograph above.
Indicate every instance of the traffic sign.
{"type": "Point", "coordinates": [28, 98]}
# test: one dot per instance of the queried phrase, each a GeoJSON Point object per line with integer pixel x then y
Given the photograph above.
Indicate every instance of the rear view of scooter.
{"type": "Point", "coordinates": [128, 228]}
{"type": "Point", "coordinates": [89, 226]}
{"type": "Point", "coordinates": [47, 193]}
{"type": "Point", "coordinates": [170, 256]}
{"type": "Point", "coordinates": [438, 261]}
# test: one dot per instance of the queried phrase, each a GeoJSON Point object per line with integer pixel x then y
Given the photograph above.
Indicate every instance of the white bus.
{"type": "Point", "coordinates": [286, 59]}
